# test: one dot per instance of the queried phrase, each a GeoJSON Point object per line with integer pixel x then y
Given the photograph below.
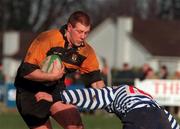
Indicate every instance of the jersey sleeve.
{"type": "Point", "coordinates": [90, 68]}
{"type": "Point", "coordinates": [88, 98]}
{"type": "Point", "coordinates": [35, 53]}
{"type": "Point", "coordinates": [34, 56]}
{"type": "Point", "coordinates": [90, 64]}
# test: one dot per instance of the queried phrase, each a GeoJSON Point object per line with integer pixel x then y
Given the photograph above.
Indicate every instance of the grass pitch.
{"type": "Point", "coordinates": [99, 120]}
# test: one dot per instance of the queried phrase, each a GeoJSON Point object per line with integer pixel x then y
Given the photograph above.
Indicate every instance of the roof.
{"type": "Point", "coordinates": [159, 37]}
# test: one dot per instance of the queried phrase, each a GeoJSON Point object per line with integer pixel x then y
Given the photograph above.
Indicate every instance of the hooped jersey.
{"type": "Point", "coordinates": [54, 41]}
{"type": "Point", "coordinates": [119, 100]}
{"type": "Point", "coordinates": [128, 98]}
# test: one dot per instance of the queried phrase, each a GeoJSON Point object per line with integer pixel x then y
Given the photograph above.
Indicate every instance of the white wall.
{"type": "Point", "coordinates": [102, 40]}
{"type": "Point", "coordinates": [129, 50]}
{"type": "Point", "coordinates": [11, 44]}
{"type": "Point", "coordinates": [113, 41]}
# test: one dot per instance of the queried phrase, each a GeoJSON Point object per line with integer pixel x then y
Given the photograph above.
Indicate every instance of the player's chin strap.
{"type": "Point", "coordinates": [89, 98]}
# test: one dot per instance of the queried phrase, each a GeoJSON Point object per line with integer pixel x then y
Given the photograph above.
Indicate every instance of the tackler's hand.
{"type": "Point", "coordinates": [43, 96]}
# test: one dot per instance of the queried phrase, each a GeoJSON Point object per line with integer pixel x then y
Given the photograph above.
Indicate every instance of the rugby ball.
{"type": "Point", "coordinates": [47, 64]}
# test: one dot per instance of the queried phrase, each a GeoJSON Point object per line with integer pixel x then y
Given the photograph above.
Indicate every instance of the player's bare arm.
{"type": "Point", "coordinates": [39, 75]}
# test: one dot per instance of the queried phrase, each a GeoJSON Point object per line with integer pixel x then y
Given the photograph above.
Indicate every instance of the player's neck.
{"type": "Point", "coordinates": [70, 44]}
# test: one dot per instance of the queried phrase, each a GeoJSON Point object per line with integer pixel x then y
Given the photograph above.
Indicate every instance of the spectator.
{"type": "Point", "coordinates": [176, 75]}
{"type": "Point", "coordinates": [150, 74]}
{"type": "Point", "coordinates": [74, 81]}
{"type": "Point", "coordinates": [143, 71]}
{"type": "Point", "coordinates": [127, 71]}
{"type": "Point", "coordinates": [105, 70]}
{"type": "Point", "coordinates": [163, 74]}
{"type": "Point", "coordinates": [2, 76]}
{"type": "Point", "coordinates": [2, 84]}
{"type": "Point", "coordinates": [176, 109]}
{"type": "Point", "coordinates": [126, 75]}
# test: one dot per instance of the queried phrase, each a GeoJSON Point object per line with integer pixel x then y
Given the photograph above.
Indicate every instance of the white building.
{"type": "Point", "coordinates": [118, 42]}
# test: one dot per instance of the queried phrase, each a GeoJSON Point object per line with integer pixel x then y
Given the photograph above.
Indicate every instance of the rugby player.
{"type": "Point", "coordinates": [69, 43]}
{"type": "Point", "coordinates": [135, 108]}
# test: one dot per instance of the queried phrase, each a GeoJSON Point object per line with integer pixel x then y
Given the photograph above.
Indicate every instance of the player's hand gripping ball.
{"type": "Point", "coordinates": [49, 62]}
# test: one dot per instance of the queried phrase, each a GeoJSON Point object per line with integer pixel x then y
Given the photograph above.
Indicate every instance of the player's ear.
{"type": "Point", "coordinates": [69, 27]}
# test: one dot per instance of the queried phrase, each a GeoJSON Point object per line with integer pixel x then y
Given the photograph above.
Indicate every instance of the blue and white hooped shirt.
{"type": "Point", "coordinates": [119, 100]}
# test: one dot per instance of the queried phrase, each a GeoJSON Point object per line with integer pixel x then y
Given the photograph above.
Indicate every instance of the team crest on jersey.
{"type": "Point", "coordinates": [74, 57]}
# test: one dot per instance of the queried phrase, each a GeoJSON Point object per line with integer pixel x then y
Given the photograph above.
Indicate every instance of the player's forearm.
{"type": "Point", "coordinates": [40, 76]}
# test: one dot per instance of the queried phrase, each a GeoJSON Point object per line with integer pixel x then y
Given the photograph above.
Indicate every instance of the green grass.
{"type": "Point", "coordinates": [100, 120]}
{"type": "Point", "coordinates": [12, 120]}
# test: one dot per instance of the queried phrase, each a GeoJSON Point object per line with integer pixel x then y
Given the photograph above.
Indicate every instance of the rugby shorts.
{"type": "Point", "coordinates": [146, 118]}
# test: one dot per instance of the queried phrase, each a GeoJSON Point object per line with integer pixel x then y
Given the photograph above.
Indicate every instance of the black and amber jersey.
{"type": "Point", "coordinates": [82, 58]}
